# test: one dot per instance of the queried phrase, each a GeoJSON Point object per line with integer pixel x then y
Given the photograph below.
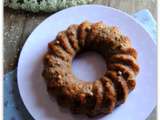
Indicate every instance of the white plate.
{"type": "Point", "coordinates": [31, 85]}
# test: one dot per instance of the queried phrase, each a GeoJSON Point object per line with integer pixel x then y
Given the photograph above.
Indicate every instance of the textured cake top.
{"type": "Point", "coordinates": [110, 90]}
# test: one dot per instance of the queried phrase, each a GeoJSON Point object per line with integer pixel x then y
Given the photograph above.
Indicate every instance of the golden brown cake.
{"type": "Point", "coordinates": [103, 95]}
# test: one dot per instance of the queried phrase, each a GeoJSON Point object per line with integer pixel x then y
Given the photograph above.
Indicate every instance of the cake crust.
{"type": "Point", "coordinates": [103, 95]}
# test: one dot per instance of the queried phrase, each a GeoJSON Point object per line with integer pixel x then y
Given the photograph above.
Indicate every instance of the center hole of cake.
{"type": "Point", "coordinates": [88, 66]}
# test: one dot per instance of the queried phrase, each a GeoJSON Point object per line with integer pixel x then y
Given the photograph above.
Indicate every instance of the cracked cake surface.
{"type": "Point", "coordinates": [106, 93]}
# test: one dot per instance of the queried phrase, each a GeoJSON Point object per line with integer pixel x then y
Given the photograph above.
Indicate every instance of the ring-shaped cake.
{"type": "Point", "coordinates": [109, 91]}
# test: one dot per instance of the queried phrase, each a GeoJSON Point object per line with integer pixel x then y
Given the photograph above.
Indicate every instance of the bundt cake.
{"type": "Point", "coordinates": [103, 95]}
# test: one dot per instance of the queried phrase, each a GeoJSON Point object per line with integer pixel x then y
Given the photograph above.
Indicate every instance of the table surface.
{"type": "Point", "coordinates": [19, 24]}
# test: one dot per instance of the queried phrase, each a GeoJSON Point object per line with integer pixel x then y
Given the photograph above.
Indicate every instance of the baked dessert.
{"type": "Point", "coordinates": [103, 95]}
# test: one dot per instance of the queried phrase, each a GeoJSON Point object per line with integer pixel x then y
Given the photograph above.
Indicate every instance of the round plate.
{"type": "Point", "coordinates": [139, 103]}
